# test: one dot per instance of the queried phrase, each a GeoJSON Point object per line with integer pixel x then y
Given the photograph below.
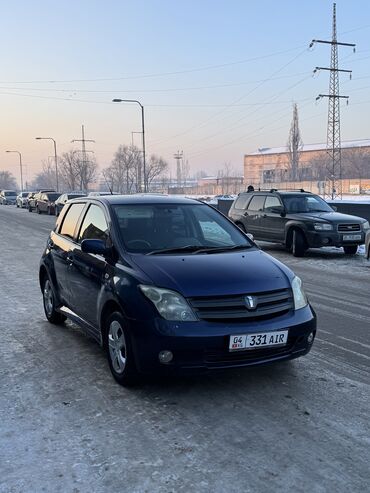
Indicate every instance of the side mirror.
{"type": "Point", "coordinates": [250, 236]}
{"type": "Point", "coordinates": [278, 210]}
{"type": "Point", "coordinates": [97, 247]}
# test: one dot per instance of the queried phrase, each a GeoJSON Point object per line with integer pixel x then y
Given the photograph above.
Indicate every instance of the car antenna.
{"type": "Point", "coordinates": [106, 182]}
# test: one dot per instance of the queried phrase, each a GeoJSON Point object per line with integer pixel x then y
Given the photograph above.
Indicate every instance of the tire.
{"type": "Point", "coordinates": [299, 245]}
{"type": "Point", "coordinates": [49, 211]}
{"type": "Point", "coordinates": [48, 299]}
{"type": "Point", "coordinates": [350, 249]}
{"type": "Point", "coordinates": [17, 205]}
{"type": "Point", "coordinates": [117, 342]}
{"type": "Point", "coordinates": [29, 208]}
{"type": "Point", "coordinates": [241, 227]}
{"type": "Point", "coordinates": [38, 210]}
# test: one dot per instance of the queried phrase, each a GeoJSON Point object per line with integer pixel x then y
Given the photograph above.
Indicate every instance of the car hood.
{"type": "Point", "coordinates": [335, 217]}
{"type": "Point", "coordinates": [249, 271]}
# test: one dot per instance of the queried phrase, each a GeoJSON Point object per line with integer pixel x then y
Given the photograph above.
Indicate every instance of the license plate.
{"type": "Point", "coordinates": [255, 341]}
{"type": "Point", "coordinates": [351, 237]}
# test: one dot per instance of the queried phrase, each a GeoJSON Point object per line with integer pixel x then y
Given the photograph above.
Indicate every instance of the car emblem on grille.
{"type": "Point", "coordinates": [251, 302]}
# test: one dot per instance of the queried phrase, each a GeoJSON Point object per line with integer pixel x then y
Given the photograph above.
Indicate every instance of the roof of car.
{"type": "Point", "coordinates": [280, 192]}
{"type": "Point", "coordinates": [141, 199]}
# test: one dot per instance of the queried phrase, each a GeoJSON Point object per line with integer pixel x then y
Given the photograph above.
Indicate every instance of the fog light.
{"type": "Point", "coordinates": [165, 357]}
{"type": "Point", "coordinates": [310, 337]}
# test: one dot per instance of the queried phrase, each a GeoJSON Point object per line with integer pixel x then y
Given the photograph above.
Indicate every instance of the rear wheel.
{"type": "Point", "coordinates": [119, 350]}
{"type": "Point", "coordinates": [29, 208]}
{"type": "Point", "coordinates": [48, 297]}
{"type": "Point", "coordinates": [299, 245]}
{"type": "Point", "coordinates": [49, 211]}
{"type": "Point", "coordinates": [350, 249]}
{"type": "Point", "coordinates": [38, 210]}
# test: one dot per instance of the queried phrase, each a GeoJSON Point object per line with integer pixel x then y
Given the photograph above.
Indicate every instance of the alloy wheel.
{"type": "Point", "coordinates": [48, 298]}
{"type": "Point", "coordinates": [117, 346]}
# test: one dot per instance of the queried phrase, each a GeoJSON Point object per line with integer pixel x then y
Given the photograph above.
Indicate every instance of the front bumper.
{"type": "Point", "coordinates": [318, 239]}
{"type": "Point", "coordinates": [202, 346]}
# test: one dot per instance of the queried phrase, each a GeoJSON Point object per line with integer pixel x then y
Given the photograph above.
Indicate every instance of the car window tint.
{"type": "Point", "coordinates": [94, 226]}
{"type": "Point", "coordinates": [271, 202]}
{"type": "Point", "coordinates": [241, 201]}
{"type": "Point", "coordinates": [70, 220]}
{"type": "Point", "coordinates": [256, 204]}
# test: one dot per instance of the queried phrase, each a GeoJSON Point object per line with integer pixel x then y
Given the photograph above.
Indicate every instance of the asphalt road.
{"type": "Point", "coordinates": [66, 426]}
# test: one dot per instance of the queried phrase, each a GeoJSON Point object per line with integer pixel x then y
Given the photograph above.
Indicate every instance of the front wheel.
{"type": "Point", "coordinates": [119, 350]}
{"type": "Point", "coordinates": [48, 297]}
{"type": "Point", "coordinates": [350, 249]}
{"type": "Point", "coordinates": [298, 243]}
{"type": "Point", "coordinates": [29, 208]}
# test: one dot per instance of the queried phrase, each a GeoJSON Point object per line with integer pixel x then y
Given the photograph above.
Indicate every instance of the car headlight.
{"type": "Point", "coordinates": [323, 226]}
{"type": "Point", "coordinates": [365, 225]}
{"type": "Point", "coordinates": [300, 299]}
{"type": "Point", "coordinates": [170, 304]}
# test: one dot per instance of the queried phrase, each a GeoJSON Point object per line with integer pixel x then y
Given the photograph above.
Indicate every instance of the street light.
{"type": "Point", "coordinates": [142, 131]}
{"type": "Point", "coordinates": [20, 165]}
{"type": "Point", "coordinates": [55, 157]}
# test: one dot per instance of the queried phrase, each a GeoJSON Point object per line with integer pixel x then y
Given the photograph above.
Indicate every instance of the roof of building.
{"type": "Point", "coordinates": [309, 147]}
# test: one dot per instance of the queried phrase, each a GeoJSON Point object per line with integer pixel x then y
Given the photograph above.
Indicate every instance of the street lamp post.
{"type": "Point", "coordinates": [55, 157]}
{"type": "Point", "coordinates": [142, 131]}
{"type": "Point", "coordinates": [21, 167]}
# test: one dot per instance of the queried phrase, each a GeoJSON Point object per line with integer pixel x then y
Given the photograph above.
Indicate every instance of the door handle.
{"type": "Point", "coordinates": [50, 244]}
{"type": "Point", "coordinates": [69, 259]}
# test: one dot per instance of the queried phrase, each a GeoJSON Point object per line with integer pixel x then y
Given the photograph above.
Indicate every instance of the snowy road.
{"type": "Point", "coordinates": [66, 426]}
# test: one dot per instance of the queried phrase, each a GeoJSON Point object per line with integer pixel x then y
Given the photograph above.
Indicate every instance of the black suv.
{"type": "Point", "coordinates": [168, 285]}
{"type": "Point", "coordinates": [297, 219]}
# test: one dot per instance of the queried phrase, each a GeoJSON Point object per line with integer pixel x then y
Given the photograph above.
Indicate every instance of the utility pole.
{"type": "Point", "coordinates": [333, 142]}
{"type": "Point", "coordinates": [178, 156]}
{"type": "Point", "coordinates": [83, 150]}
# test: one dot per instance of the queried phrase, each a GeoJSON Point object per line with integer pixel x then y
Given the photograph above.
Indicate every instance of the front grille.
{"type": "Point", "coordinates": [349, 227]}
{"type": "Point", "coordinates": [233, 308]}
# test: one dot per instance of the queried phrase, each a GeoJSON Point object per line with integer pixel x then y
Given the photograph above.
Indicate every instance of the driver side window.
{"type": "Point", "coordinates": [94, 225]}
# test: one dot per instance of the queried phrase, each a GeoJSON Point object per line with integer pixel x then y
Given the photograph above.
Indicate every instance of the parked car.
{"type": "Point", "coordinates": [297, 219]}
{"type": "Point", "coordinates": [61, 201]}
{"type": "Point", "coordinates": [22, 199]}
{"type": "Point", "coordinates": [8, 197]}
{"type": "Point", "coordinates": [46, 202]}
{"type": "Point", "coordinates": [170, 285]}
{"type": "Point", "coordinates": [34, 197]}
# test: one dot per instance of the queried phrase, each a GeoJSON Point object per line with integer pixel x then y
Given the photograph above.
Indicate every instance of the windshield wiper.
{"type": "Point", "coordinates": [186, 248]}
{"type": "Point", "coordinates": [194, 249]}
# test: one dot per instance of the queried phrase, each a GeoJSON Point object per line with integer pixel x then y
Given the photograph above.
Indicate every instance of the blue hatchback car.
{"type": "Point", "coordinates": [170, 285]}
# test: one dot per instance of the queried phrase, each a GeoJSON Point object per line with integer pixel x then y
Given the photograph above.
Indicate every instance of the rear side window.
{"type": "Point", "coordinates": [94, 226]}
{"type": "Point", "coordinates": [70, 220]}
{"type": "Point", "coordinates": [241, 201]}
{"type": "Point", "coordinates": [256, 204]}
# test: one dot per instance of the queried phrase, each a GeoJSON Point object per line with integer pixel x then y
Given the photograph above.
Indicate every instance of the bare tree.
{"type": "Point", "coordinates": [155, 168]}
{"type": "Point", "coordinates": [294, 145]}
{"type": "Point", "coordinates": [122, 174]}
{"type": "Point", "coordinates": [46, 177]}
{"type": "Point", "coordinates": [68, 169]}
{"type": "Point", "coordinates": [77, 171]}
{"type": "Point", "coordinates": [7, 181]}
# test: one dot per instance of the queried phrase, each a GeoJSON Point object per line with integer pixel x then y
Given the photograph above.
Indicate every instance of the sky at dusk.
{"type": "Point", "coordinates": [217, 78]}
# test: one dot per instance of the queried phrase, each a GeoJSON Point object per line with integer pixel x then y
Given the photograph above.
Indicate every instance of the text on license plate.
{"type": "Point", "coordinates": [263, 339]}
{"type": "Point", "coordinates": [351, 237]}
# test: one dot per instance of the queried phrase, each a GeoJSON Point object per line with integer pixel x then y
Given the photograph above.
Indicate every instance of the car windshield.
{"type": "Point", "coordinates": [24, 194]}
{"type": "Point", "coordinates": [10, 194]}
{"type": "Point", "coordinates": [177, 228]}
{"type": "Point", "coordinates": [53, 196]}
{"type": "Point", "coordinates": [305, 203]}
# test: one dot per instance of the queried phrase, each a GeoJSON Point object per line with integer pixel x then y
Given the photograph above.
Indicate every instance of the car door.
{"type": "Point", "coordinates": [252, 215]}
{"type": "Point", "coordinates": [272, 223]}
{"type": "Point", "coordinates": [88, 273]}
{"type": "Point", "coordinates": [61, 243]}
